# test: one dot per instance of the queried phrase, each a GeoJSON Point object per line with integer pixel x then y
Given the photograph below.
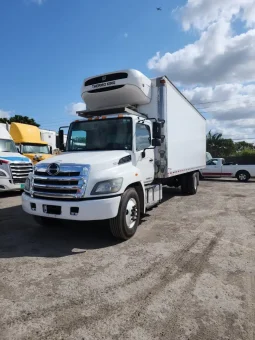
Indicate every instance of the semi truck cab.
{"type": "Point", "coordinates": [28, 141]}
{"type": "Point", "coordinates": [14, 168]}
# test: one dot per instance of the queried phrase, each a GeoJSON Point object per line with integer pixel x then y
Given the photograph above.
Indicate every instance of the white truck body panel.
{"type": "Point", "coordinates": [49, 137]}
{"type": "Point", "coordinates": [216, 168]}
{"type": "Point", "coordinates": [184, 130]}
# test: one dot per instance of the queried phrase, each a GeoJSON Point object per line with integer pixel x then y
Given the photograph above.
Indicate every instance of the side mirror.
{"type": "Point", "coordinates": [156, 142]}
{"type": "Point", "coordinates": [156, 130]}
{"type": "Point", "coordinates": [50, 150]}
{"type": "Point", "coordinates": [61, 139]}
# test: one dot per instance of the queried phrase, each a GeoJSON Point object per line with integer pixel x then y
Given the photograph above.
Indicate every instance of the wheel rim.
{"type": "Point", "coordinates": [242, 177]}
{"type": "Point", "coordinates": [131, 213]}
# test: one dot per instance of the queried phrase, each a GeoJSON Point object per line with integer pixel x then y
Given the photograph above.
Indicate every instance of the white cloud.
{"type": "Point", "coordinates": [125, 35]}
{"type": "Point", "coordinates": [5, 114]}
{"type": "Point", "coordinates": [217, 57]}
{"type": "Point", "coordinates": [218, 65]}
{"type": "Point", "coordinates": [73, 107]}
{"type": "Point", "coordinates": [231, 108]}
{"type": "Point", "coordinates": [200, 14]}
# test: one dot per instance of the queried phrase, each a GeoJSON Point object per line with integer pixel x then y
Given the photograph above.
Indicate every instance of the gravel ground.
{"type": "Point", "coordinates": [188, 274]}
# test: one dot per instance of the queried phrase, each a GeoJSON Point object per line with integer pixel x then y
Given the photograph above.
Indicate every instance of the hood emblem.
{"type": "Point", "coordinates": [53, 169]}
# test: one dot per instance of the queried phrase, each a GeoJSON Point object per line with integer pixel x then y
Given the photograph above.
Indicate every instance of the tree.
{"type": "Point", "coordinates": [19, 119]}
{"type": "Point", "coordinates": [243, 146]}
{"type": "Point", "coordinates": [219, 146]}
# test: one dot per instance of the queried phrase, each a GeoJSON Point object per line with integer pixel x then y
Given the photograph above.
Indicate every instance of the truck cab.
{"type": "Point", "coordinates": [28, 141]}
{"type": "Point", "coordinates": [14, 168]}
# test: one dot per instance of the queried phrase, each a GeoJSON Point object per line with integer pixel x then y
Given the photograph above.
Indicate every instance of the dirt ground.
{"type": "Point", "coordinates": [188, 273]}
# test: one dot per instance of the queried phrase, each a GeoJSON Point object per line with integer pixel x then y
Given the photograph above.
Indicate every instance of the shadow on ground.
{"type": "Point", "coordinates": [21, 236]}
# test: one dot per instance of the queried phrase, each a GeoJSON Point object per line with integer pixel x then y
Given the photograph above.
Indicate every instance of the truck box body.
{"type": "Point", "coordinates": [184, 147]}
{"type": "Point", "coordinates": [49, 137]}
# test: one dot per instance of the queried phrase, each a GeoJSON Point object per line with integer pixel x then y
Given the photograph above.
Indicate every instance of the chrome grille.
{"type": "Point", "coordinates": [20, 171]}
{"type": "Point", "coordinates": [69, 183]}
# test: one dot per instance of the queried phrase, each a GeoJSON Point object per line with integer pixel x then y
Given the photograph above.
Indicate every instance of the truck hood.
{"type": "Point", "coordinates": [98, 160]}
{"type": "Point", "coordinates": [13, 157]}
{"type": "Point", "coordinates": [36, 157]}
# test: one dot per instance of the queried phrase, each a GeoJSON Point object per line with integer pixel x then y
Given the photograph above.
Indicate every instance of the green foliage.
{"type": "Point", "coordinates": [19, 119]}
{"type": "Point", "coordinates": [222, 147]}
{"type": "Point", "coordinates": [219, 146]}
{"type": "Point", "coordinates": [244, 146]}
{"type": "Point", "coordinates": [246, 152]}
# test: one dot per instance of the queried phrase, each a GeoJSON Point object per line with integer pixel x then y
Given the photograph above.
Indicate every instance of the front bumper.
{"type": "Point", "coordinates": [89, 210]}
{"type": "Point", "coordinates": [5, 185]}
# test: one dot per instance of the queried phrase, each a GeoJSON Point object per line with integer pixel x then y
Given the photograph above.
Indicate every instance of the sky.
{"type": "Point", "coordinates": [207, 48]}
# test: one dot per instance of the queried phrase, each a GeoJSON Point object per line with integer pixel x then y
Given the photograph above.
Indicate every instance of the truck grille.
{"type": "Point", "coordinates": [68, 183]}
{"type": "Point", "coordinates": [20, 172]}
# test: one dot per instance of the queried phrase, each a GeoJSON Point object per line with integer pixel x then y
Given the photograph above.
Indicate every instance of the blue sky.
{"type": "Point", "coordinates": [48, 49]}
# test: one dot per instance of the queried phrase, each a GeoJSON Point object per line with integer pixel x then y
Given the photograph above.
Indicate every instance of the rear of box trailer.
{"type": "Point", "coordinates": [185, 131]}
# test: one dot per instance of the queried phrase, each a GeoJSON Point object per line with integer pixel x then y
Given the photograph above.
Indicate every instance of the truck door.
{"type": "Point", "coordinates": [213, 168]}
{"type": "Point", "coordinates": [143, 141]}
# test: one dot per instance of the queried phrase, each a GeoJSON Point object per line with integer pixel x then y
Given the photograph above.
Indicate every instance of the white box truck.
{"type": "Point", "coordinates": [136, 135]}
{"type": "Point", "coordinates": [14, 168]}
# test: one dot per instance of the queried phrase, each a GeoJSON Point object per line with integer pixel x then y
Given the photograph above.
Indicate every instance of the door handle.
{"type": "Point", "coordinates": [151, 160]}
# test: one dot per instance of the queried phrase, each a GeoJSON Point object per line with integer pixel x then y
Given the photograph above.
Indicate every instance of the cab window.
{"type": "Point", "coordinates": [143, 136]}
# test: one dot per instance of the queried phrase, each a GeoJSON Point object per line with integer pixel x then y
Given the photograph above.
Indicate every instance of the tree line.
{"type": "Point", "coordinates": [19, 119]}
{"type": "Point", "coordinates": [225, 147]}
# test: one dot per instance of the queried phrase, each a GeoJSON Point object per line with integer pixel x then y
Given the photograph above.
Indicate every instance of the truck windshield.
{"type": "Point", "coordinates": [7, 145]}
{"type": "Point", "coordinates": [35, 148]}
{"type": "Point", "coordinates": [103, 134]}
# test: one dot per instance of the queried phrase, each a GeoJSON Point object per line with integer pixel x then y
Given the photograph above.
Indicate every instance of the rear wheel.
{"type": "Point", "coordinates": [192, 183]}
{"type": "Point", "coordinates": [46, 221]}
{"type": "Point", "coordinates": [243, 176]}
{"type": "Point", "coordinates": [124, 225]}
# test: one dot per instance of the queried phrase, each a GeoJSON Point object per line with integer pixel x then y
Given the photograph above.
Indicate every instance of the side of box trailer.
{"type": "Point", "coordinates": [185, 133]}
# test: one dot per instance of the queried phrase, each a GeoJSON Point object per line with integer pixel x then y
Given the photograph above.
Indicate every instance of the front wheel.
{"type": "Point", "coordinates": [243, 176]}
{"type": "Point", "coordinates": [124, 225]}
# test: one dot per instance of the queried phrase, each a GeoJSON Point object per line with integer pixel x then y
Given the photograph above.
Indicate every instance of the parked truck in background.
{"type": "Point", "coordinates": [50, 137]}
{"type": "Point", "coordinates": [14, 168]}
{"type": "Point", "coordinates": [28, 140]}
{"type": "Point", "coordinates": [218, 168]}
{"type": "Point", "coordinates": [136, 135]}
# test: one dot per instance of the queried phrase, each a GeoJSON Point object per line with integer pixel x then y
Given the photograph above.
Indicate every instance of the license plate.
{"type": "Point", "coordinates": [52, 209]}
{"type": "Point", "coordinates": [22, 186]}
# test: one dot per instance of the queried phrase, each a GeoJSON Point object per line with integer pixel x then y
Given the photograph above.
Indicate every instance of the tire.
{"type": "Point", "coordinates": [184, 185]}
{"type": "Point", "coordinates": [46, 221]}
{"type": "Point", "coordinates": [198, 178]}
{"type": "Point", "coordinates": [192, 183]}
{"type": "Point", "coordinates": [243, 176]}
{"type": "Point", "coordinates": [201, 177]}
{"type": "Point", "coordinates": [125, 224]}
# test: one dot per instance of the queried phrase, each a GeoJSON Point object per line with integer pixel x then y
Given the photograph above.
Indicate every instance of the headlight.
{"type": "Point", "coordinates": [27, 185]}
{"type": "Point", "coordinates": [107, 187]}
{"type": "Point", "coordinates": [2, 174]}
